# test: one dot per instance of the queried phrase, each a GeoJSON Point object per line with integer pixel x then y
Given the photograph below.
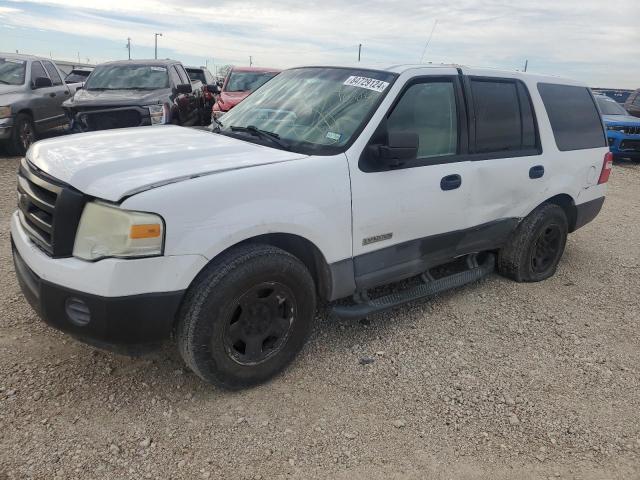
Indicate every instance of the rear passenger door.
{"type": "Point", "coordinates": [58, 94]}
{"type": "Point", "coordinates": [508, 170]}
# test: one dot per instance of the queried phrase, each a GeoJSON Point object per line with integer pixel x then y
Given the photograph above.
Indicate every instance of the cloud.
{"type": "Point", "coordinates": [579, 38]}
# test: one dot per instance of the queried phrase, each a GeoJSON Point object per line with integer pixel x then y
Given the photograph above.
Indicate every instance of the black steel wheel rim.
{"type": "Point", "coordinates": [546, 248]}
{"type": "Point", "coordinates": [26, 134]}
{"type": "Point", "coordinates": [260, 323]}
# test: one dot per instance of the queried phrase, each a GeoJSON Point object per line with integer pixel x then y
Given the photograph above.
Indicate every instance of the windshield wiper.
{"type": "Point", "coordinates": [253, 130]}
{"type": "Point", "coordinates": [4, 83]}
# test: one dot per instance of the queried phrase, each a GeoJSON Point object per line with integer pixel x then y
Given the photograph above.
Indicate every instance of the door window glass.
{"type": "Point", "coordinates": [37, 71]}
{"type": "Point", "coordinates": [53, 73]}
{"type": "Point", "coordinates": [429, 110]}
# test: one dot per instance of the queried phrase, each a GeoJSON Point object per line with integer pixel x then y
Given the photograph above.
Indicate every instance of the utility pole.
{"type": "Point", "coordinates": [359, 50]}
{"type": "Point", "coordinates": [129, 46]}
{"type": "Point", "coordinates": [79, 57]}
{"type": "Point", "coordinates": [156, 43]}
{"type": "Point", "coordinates": [250, 60]}
{"type": "Point", "coordinates": [526, 64]}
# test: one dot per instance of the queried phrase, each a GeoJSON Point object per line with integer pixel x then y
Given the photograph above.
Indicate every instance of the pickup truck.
{"type": "Point", "coordinates": [355, 179]}
{"type": "Point", "coordinates": [31, 96]}
{"type": "Point", "coordinates": [132, 93]}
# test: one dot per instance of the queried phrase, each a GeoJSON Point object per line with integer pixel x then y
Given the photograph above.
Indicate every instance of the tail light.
{"type": "Point", "coordinates": [607, 165]}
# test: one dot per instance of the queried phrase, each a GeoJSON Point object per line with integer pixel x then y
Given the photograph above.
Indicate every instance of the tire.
{"type": "Point", "coordinates": [246, 316]}
{"type": "Point", "coordinates": [535, 248]}
{"type": "Point", "coordinates": [23, 135]}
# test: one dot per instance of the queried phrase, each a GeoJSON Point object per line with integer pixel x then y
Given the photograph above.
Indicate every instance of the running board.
{"type": "Point", "coordinates": [429, 288]}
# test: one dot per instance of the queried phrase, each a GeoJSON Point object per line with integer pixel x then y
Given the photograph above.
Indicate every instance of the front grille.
{"type": "Point", "coordinates": [632, 130]}
{"type": "Point", "coordinates": [49, 210]}
{"type": "Point", "coordinates": [630, 145]}
{"type": "Point", "coordinates": [108, 119]}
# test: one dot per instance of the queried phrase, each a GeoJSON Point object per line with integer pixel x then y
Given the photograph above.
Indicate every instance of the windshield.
{"type": "Point", "coordinates": [314, 110]}
{"type": "Point", "coordinates": [247, 81]}
{"type": "Point", "coordinates": [76, 77]}
{"type": "Point", "coordinates": [610, 107]}
{"type": "Point", "coordinates": [12, 71]}
{"type": "Point", "coordinates": [196, 75]}
{"type": "Point", "coordinates": [128, 77]}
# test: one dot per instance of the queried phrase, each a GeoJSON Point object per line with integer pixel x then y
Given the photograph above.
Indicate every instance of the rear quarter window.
{"type": "Point", "coordinates": [573, 115]}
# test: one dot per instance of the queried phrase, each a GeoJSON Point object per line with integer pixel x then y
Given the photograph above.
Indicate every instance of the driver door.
{"type": "Point", "coordinates": [409, 218]}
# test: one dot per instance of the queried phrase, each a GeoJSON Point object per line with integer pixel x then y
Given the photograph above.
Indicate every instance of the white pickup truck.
{"type": "Point", "coordinates": [325, 183]}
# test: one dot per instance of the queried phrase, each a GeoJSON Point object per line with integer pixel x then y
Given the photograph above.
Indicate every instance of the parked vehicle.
{"type": "Point", "coordinates": [619, 95]}
{"type": "Point", "coordinates": [78, 75]}
{"type": "Point", "coordinates": [238, 85]}
{"type": "Point", "coordinates": [354, 179]}
{"type": "Point", "coordinates": [623, 130]}
{"type": "Point", "coordinates": [31, 96]}
{"type": "Point", "coordinates": [134, 93]}
{"type": "Point", "coordinates": [632, 104]}
{"type": "Point", "coordinates": [209, 86]}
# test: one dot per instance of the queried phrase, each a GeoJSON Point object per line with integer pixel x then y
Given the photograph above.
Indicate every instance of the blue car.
{"type": "Point", "coordinates": [623, 130]}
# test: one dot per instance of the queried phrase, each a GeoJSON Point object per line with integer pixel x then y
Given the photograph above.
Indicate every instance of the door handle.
{"type": "Point", "coordinates": [52, 94]}
{"type": "Point", "coordinates": [536, 172]}
{"type": "Point", "coordinates": [451, 182]}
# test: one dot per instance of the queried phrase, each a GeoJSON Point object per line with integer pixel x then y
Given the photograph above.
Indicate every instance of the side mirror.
{"type": "Point", "coordinates": [400, 148]}
{"type": "Point", "coordinates": [184, 88]}
{"type": "Point", "coordinates": [213, 88]}
{"type": "Point", "coordinates": [42, 82]}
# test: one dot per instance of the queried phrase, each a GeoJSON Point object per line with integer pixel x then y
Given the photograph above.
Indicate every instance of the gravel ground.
{"type": "Point", "coordinates": [496, 380]}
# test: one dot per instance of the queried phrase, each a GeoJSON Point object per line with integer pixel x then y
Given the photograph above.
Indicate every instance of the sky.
{"type": "Point", "coordinates": [590, 40]}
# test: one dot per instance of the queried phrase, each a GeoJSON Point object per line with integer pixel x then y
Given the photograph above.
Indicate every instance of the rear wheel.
{"type": "Point", "coordinates": [534, 250]}
{"type": "Point", "coordinates": [22, 135]}
{"type": "Point", "coordinates": [247, 316]}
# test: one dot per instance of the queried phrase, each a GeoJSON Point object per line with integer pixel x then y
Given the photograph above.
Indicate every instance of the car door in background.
{"type": "Point", "coordinates": [408, 218]}
{"type": "Point", "coordinates": [44, 106]}
{"type": "Point", "coordinates": [59, 93]}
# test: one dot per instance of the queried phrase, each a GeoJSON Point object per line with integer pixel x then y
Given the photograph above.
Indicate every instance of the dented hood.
{"type": "Point", "coordinates": [114, 164]}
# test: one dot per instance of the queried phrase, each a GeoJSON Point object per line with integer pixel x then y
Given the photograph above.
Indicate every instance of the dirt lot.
{"type": "Point", "coordinates": [497, 380]}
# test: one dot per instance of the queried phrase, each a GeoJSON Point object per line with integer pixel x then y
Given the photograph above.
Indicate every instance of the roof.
{"type": "Point", "coordinates": [478, 71]}
{"type": "Point", "coordinates": [151, 62]}
{"type": "Point", "coordinates": [22, 56]}
{"type": "Point", "coordinates": [255, 69]}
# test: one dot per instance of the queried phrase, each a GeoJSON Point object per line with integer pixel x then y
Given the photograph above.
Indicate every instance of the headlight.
{"type": "Point", "coordinates": [5, 111]}
{"type": "Point", "coordinates": [107, 231]}
{"type": "Point", "coordinates": [159, 114]}
{"type": "Point", "coordinates": [619, 128]}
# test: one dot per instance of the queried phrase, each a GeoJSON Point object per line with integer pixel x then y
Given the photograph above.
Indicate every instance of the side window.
{"type": "Point", "coordinates": [573, 115]}
{"type": "Point", "coordinates": [503, 116]}
{"type": "Point", "coordinates": [428, 109]}
{"type": "Point", "coordinates": [37, 71]}
{"type": "Point", "coordinates": [183, 74]}
{"type": "Point", "coordinates": [53, 73]}
{"type": "Point", "coordinates": [175, 78]}
{"type": "Point", "coordinates": [636, 101]}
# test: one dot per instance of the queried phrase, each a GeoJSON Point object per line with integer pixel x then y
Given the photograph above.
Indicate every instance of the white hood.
{"type": "Point", "coordinates": [113, 164]}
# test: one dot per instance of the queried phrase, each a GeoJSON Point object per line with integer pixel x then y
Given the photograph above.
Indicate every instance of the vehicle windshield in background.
{"type": "Point", "coordinates": [196, 75]}
{"type": "Point", "coordinates": [76, 77]}
{"type": "Point", "coordinates": [247, 81]}
{"type": "Point", "coordinates": [128, 77]}
{"type": "Point", "coordinates": [609, 106]}
{"type": "Point", "coordinates": [311, 109]}
{"type": "Point", "coordinates": [12, 71]}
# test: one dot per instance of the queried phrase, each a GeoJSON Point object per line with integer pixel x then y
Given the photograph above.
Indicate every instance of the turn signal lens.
{"type": "Point", "coordinates": [153, 230]}
{"type": "Point", "coordinates": [607, 165]}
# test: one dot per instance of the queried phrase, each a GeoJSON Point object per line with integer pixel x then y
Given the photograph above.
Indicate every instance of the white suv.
{"type": "Point", "coordinates": [324, 183]}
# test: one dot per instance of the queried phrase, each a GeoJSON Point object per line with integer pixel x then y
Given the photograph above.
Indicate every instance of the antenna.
{"type": "Point", "coordinates": [435, 23]}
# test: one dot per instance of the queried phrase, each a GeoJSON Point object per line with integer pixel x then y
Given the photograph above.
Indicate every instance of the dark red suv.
{"type": "Point", "coordinates": [238, 84]}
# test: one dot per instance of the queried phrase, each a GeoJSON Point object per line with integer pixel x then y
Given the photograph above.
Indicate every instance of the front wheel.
{"type": "Point", "coordinates": [246, 316]}
{"type": "Point", "coordinates": [23, 135]}
{"type": "Point", "coordinates": [535, 248]}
